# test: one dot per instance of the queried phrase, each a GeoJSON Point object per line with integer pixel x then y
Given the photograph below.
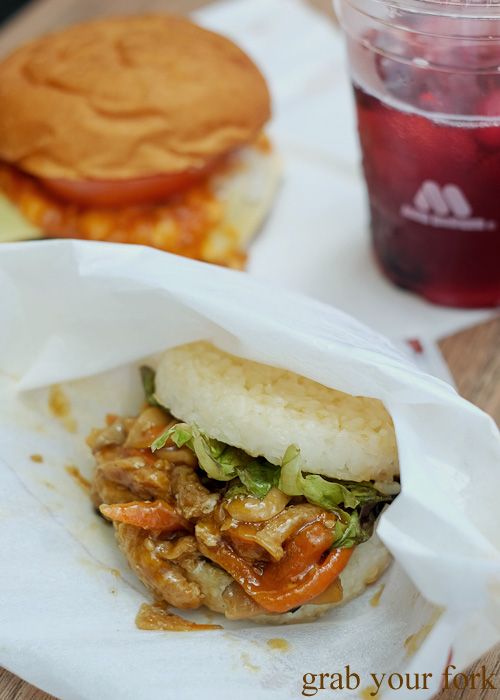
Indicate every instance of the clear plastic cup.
{"type": "Point", "coordinates": [426, 77]}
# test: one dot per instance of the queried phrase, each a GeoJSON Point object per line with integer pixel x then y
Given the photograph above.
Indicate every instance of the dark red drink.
{"type": "Point", "coordinates": [434, 212]}
{"type": "Point", "coordinates": [428, 102]}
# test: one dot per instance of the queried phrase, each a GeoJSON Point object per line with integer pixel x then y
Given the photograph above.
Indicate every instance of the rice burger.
{"type": "Point", "coordinates": [247, 488]}
{"type": "Point", "coordinates": [141, 129]}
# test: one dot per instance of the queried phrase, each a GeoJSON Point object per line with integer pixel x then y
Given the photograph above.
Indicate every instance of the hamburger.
{"type": "Point", "coordinates": [141, 129]}
{"type": "Point", "coordinates": [247, 488]}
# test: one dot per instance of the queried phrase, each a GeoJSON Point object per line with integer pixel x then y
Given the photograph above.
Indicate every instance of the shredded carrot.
{"type": "Point", "coordinates": [156, 515]}
{"type": "Point", "coordinates": [297, 578]}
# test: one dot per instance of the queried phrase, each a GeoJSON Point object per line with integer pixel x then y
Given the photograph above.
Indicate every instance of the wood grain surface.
{"type": "Point", "coordinates": [472, 355]}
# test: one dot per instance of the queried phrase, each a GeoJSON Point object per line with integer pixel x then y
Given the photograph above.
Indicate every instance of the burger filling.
{"type": "Point", "coordinates": [204, 523]}
{"type": "Point", "coordinates": [181, 213]}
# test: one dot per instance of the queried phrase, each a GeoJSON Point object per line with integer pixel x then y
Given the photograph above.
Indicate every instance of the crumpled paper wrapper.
{"type": "Point", "coordinates": [83, 316]}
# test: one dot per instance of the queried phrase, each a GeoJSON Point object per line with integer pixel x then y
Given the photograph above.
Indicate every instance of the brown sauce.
{"type": "Point", "coordinates": [245, 660]}
{"type": "Point", "coordinates": [60, 407]}
{"type": "Point", "coordinates": [375, 601]}
{"type": "Point", "coordinates": [415, 641]}
{"type": "Point", "coordinates": [82, 482]}
{"type": "Point", "coordinates": [36, 458]}
{"type": "Point", "coordinates": [158, 617]}
{"type": "Point", "coordinates": [280, 645]}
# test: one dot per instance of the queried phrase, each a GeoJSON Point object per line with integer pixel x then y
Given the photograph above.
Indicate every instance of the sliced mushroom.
{"type": "Point", "coordinates": [113, 434]}
{"type": "Point", "coordinates": [176, 549]}
{"type": "Point", "coordinates": [255, 510]}
{"type": "Point", "coordinates": [148, 426]}
{"type": "Point", "coordinates": [239, 605]}
{"type": "Point", "coordinates": [274, 533]}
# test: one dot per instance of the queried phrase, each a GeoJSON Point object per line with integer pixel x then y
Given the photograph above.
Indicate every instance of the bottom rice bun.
{"type": "Point", "coordinates": [246, 488]}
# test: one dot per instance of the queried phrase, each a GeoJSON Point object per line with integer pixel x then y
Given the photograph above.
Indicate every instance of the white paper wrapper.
{"type": "Point", "coordinates": [86, 314]}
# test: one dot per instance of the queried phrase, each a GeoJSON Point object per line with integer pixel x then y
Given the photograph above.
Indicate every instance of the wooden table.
{"type": "Point", "coordinates": [472, 355]}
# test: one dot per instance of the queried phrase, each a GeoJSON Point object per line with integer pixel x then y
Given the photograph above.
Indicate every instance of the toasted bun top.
{"type": "Point", "coordinates": [263, 410]}
{"type": "Point", "coordinates": [127, 97]}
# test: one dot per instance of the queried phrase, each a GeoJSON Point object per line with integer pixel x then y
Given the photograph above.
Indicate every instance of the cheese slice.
{"type": "Point", "coordinates": [226, 212]}
{"type": "Point", "coordinates": [13, 225]}
{"type": "Point", "coordinates": [246, 192]}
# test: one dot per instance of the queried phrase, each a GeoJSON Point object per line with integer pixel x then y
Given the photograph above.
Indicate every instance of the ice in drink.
{"type": "Point", "coordinates": [428, 108]}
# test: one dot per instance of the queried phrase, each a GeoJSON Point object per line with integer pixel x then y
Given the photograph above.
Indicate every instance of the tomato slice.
{"type": "Point", "coordinates": [157, 515]}
{"type": "Point", "coordinates": [131, 192]}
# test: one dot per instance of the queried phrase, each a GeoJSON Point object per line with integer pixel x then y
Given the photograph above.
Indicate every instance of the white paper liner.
{"type": "Point", "coordinates": [75, 309]}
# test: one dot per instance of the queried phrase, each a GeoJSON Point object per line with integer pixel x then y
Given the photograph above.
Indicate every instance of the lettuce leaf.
{"type": "Point", "coordinates": [216, 458]}
{"type": "Point", "coordinates": [355, 531]}
{"type": "Point", "coordinates": [258, 476]}
{"type": "Point", "coordinates": [148, 382]}
{"type": "Point", "coordinates": [236, 488]}
{"type": "Point", "coordinates": [356, 504]}
{"type": "Point", "coordinates": [327, 493]}
{"type": "Point", "coordinates": [223, 462]}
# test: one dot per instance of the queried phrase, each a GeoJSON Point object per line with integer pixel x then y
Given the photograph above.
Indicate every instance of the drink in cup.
{"type": "Point", "coordinates": [426, 78]}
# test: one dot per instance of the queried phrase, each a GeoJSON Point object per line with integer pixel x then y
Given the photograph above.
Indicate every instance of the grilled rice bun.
{"type": "Point", "coordinates": [263, 410]}
{"type": "Point", "coordinates": [127, 97]}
